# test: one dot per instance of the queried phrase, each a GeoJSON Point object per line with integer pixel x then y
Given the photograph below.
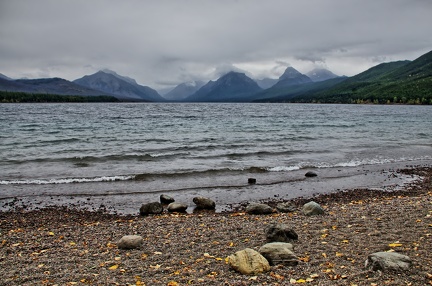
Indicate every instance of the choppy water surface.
{"type": "Point", "coordinates": [126, 153]}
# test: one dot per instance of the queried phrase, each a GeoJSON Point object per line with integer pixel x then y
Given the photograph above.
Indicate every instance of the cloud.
{"type": "Point", "coordinates": [161, 43]}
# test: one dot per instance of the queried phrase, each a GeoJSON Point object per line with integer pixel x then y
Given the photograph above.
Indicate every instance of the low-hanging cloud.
{"type": "Point", "coordinates": [162, 43]}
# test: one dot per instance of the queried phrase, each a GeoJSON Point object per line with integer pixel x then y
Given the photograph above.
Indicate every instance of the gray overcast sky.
{"type": "Point", "coordinates": [166, 42]}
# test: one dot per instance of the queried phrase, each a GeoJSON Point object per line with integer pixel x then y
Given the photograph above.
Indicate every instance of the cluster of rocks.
{"type": "Point", "coordinates": [279, 251]}
{"type": "Point", "coordinates": [310, 208]}
{"type": "Point", "coordinates": [173, 206]}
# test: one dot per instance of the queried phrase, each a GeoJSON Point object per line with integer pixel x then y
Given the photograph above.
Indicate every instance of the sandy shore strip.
{"type": "Point", "coordinates": [65, 246]}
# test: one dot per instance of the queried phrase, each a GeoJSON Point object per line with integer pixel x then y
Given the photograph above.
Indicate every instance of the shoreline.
{"type": "Point", "coordinates": [76, 247]}
{"type": "Point", "coordinates": [229, 193]}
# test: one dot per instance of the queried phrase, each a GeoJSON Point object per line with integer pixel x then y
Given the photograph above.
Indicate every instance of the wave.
{"type": "Point", "coordinates": [66, 180]}
{"type": "Point", "coordinates": [181, 174]}
{"type": "Point", "coordinates": [86, 160]}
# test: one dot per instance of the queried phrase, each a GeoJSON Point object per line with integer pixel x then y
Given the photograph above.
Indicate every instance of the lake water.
{"type": "Point", "coordinates": [124, 154]}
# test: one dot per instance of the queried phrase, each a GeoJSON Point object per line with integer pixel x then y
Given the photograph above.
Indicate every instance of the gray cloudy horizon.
{"type": "Point", "coordinates": [164, 43]}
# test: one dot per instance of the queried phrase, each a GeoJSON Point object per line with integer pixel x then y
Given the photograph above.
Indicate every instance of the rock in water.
{"type": "Point", "coordinates": [388, 261]}
{"type": "Point", "coordinates": [166, 200]}
{"type": "Point", "coordinates": [151, 208]}
{"type": "Point", "coordinates": [249, 262]}
{"type": "Point", "coordinates": [130, 242]}
{"type": "Point", "coordinates": [279, 253]}
{"type": "Point", "coordinates": [312, 208]}
{"type": "Point", "coordinates": [311, 174]}
{"type": "Point", "coordinates": [259, 209]}
{"type": "Point", "coordinates": [177, 207]}
{"type": "Point", "coordinates": [280, 233]}
{"type": "Point", "coordinates": [204, 203]}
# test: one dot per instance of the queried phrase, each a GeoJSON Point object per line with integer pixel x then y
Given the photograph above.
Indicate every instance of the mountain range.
{"type": "Point", "coordinates": [393, 82]}
{"type": "Point", "coordinates": [121, 87]}
{"type": "Point", "coordinates": [232, 87]}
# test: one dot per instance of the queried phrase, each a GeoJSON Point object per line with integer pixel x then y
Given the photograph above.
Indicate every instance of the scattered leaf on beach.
{"type": "Point", "coordinates": [324, 255]}
{"type": "Point", "coordinates": [157, 266]}
{"type": "Point", "coordinates": [396, 244]}
{"type": "Point", "coordinates": [277, 276]}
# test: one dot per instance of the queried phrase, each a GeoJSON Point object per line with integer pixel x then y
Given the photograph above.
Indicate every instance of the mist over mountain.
{"type": "Point", "coordinates": [233, 86]}
{"type": "Point", "coordinates": [320, 74]}
{"type": "Point", "coordinates": [183, 90]}
{"type": "Point", "coordinates": [393, 82]}
{"type": "Point", "coordinates": [291, 77]}
{"type": "Point", "coordinates": [398, 82]}
{"type": "Point", "coordinates": [119, 86]}
{"type": "Point", "coordinates": [266, 82]}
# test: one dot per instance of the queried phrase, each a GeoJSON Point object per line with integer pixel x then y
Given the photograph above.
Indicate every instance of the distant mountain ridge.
{"type": "Point", "coordinates": [291, 77]}
{"type": "Point", "coordinates": [183, 90]}
{"type": "Point", "coordinates": [233, 86]}
{"type": "Point", "coordinates": [47, 85]}
{"type": "Point", "coordinates": [119, 86]}
{"type": "Point", "coordinates": [393, 82]}
{"type": "Point", "coordinates": [5, 77]}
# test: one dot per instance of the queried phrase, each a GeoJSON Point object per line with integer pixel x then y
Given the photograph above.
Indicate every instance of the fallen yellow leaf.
{"type": "Point", "coordinates": [51, 233]}
{"type": "Point", "coordinates": [395, 244]}
{"type": "Point", "coordinates": [114, 267]}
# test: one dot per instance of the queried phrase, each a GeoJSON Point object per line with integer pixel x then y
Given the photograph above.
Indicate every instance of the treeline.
{"type": "Point", "coordinates": [344, 99]}
{"type": "Point", "coordinates": [411, 93]}
{"type": "Point", "coordinates": [16, 97]}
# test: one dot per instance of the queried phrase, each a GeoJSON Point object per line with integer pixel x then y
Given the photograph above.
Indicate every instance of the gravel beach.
{"type": "Point", "coordinates": [66, 246]}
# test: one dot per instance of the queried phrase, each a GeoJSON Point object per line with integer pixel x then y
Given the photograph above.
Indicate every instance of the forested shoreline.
{"type": "Point", "coordinates": [23, 97]}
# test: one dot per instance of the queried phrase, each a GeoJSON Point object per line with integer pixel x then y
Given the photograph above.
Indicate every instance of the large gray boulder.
{"type": "Point", "coordinates": [312, 208]}
{"type": "Point", "coordinates": [249, 262]}
{"type": "Point", "coordinates": [259, 209]}
{"type": "Point", "coordinates": [204, 203]}
{"type": "Point", "coordinates": [177, 207]}
{"type": "Point", "coordinates": [166, 200]}
{"type": "Point", "coordinates": [385, 261]}
{"type": "Point", "coordinates": [279, 253]}
{"type": "Point", "coordinates": [130, 242]}
{"type": "Point", "coordinates": [151, 208]}
{"type": "Point", "coordinates": [279, 232]}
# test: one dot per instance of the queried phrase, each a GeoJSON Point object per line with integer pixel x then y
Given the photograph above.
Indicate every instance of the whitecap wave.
{"type": "Point", "coordinates": [66, 180]}
{"type": "Point", "coordinates": [283, 168]}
